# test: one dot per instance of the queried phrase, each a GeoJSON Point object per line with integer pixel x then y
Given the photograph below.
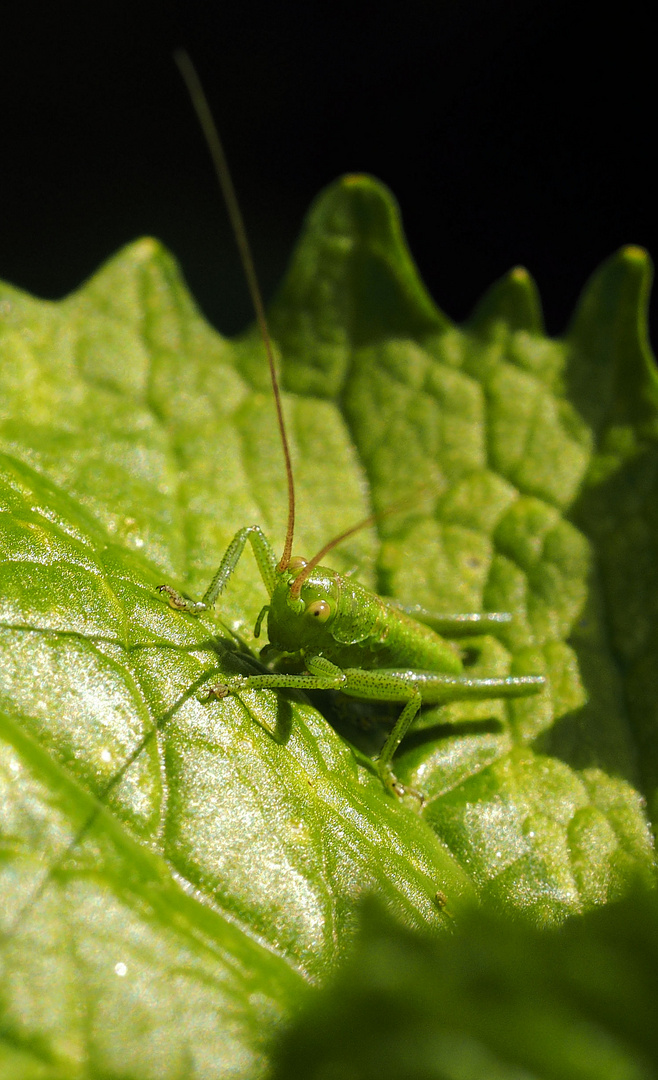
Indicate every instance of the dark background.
{"type": "Point", "coordinates": [510, 132]}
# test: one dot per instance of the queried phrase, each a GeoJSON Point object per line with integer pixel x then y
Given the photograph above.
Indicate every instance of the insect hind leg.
{"type": "Point", "coordinates": [462, 624]}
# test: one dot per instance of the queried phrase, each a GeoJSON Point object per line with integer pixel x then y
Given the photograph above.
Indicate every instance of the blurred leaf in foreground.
{"type": "Point", "coordinates": [496, 1000]}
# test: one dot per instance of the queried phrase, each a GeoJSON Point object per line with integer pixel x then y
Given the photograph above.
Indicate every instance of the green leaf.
{"type": "Point", "coordinates": [494, 434]}
{"type": "Point", "coordinates": [109, 967]}
{"type": "Point", "coordinates": [139, 416]}
{"type": "Point", "coordinates": [494, 1000]}
{"type": "Point", "coordinates": [134, 442]}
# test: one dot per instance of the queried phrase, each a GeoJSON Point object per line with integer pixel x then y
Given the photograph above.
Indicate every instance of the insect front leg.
{"type": "Point", "coordinates": [265, 558]}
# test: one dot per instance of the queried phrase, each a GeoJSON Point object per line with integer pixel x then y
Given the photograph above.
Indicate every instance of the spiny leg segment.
{"type": "Point", "coordinates": [266, 560]}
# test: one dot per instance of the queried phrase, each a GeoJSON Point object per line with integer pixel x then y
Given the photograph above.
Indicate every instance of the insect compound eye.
{"type": "Point", "coordinates": [296, 563]}
{"type": "Point", "coordinates": [319, 610]}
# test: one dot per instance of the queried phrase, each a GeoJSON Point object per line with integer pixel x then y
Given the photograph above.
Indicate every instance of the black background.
{"type": "Point", "coordinates": [510, 132]}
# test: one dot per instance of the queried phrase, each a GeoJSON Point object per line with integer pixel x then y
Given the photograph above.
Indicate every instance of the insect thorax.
{"type": "Point", "coordinates": [361, 630]}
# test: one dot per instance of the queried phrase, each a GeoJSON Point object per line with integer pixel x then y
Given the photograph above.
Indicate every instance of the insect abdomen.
{"type": "Point", "coordinates": [407, 642]}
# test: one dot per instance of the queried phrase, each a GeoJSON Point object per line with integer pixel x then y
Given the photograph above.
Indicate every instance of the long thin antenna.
{"type": "Point", "coordinates": [296, 587]}
{"type": "Point", "coordinates": [394, 508]}
{"type": "Point", "coordinates": [209, 128]}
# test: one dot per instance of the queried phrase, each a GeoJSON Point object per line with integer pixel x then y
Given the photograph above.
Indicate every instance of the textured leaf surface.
{"type": "Point", "coordinates": [108, 967]}
{"type": "Point", "coordinates": [495, 1000]}
{"type": "Point", "coordinates": [521, 442]}
{"type": "Point", "coordinates": [134, 442]}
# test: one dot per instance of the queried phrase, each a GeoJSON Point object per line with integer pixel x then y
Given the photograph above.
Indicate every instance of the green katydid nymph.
{"type": "Point", "coordinates": [340, 635]}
